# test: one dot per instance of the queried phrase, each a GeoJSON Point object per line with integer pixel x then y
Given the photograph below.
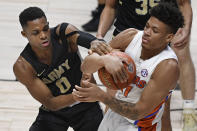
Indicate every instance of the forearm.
{"type": "Point", "coordinates": [85, 39]}
{"type": "Point", "coordinates": [92, 63]}
{"type": "Point", "coordinates": [106, 20]}
{"type": "Point", "coordinates": [126, 109]}
{"type": "Point", "coordinates": [186, 9]}
{"type": "Point", "coordinates": [59, 102]}
{"type": "Point", "coordinates": [76, 37]}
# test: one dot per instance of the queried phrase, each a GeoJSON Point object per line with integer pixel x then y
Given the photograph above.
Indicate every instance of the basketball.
{"type": "Point", "coordinates": [107, 79]}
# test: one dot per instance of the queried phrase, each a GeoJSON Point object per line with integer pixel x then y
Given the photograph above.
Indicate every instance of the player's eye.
{"type": "Point", "coordinates": [46, 28]}
{"type": "Point", "coordinates": [155, 31]}
{"type": "Point", "coordinates": [35, 32]}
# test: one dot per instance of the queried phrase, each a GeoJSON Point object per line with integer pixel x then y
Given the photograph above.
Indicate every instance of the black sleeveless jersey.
{"type": "Point", "coordinates": [134, 13]}
{"type": "Point", "coordinates": [62, 74]}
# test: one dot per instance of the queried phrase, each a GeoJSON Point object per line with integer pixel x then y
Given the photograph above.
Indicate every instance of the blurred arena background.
{"type": "Point", "coordinates": [17, 108]}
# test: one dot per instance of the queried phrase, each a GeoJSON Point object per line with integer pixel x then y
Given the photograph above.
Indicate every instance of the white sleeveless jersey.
{"type": "Point", "coordinates": [144, 70]}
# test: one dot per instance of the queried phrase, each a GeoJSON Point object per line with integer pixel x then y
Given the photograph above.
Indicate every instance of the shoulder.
{"type": "Point", "coordinates": [168, 69]}
{"type": "Point", "coordinates": [169, 64]}
{"type": "Point", "coordinates": [63, 30]}
{"type": "Point", "coordinates": [123, 39]}
{"type": "Point", "coordinates": [69, 28]}
{"type": "Point", "coordinates": [23, 70]}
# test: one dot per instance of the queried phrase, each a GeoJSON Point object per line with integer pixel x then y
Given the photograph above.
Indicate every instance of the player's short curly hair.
{"type": "Point", "coordinates": [30, 14]}
{"type": "Point", "coordinates": [169, 14]}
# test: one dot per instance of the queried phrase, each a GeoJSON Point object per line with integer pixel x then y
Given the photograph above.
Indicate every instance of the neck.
{"type": "Point", "coordinates": [44, 56]}
{"type": "Point", "coordinates": [147, 54]}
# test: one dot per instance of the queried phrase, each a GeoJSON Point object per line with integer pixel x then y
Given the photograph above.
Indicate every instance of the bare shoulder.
{"type": "Point", "coordinates": [122, 40]}
{"type": "Point", "coordinates": [23, 71]}
{"type": "Point", "coordinates": [166, 72]}
{"type": "Point", "coordinates": [169, 65]}
{"type": "Point", "coordinates": [131, 31]}
{"type": "Point", "coordinates": [70, 28]}
{"type": "Point", "coordinates": [72, 39]}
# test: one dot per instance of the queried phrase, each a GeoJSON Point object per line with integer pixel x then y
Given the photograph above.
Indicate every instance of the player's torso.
{"type": "Point", "coordinates": [64, 71]}
{"type": "Point", "coordinates": [63, 74]}
{"type": "Point", "coordinates": [134, 13]}
{"type": "Point", "coordinates": [144, 68]}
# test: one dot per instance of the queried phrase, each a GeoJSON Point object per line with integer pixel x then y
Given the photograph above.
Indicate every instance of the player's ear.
{"type": "Point", "coordinates": [170, 37]}
{"type": "Point", "coordinates": [23, 34]}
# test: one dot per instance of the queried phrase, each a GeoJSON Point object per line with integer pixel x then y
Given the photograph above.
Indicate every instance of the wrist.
{"type": "Point", "coordinates": [106, 98]}
{"type": "Point", "coordinates": [102, 40]}
{"type": "Point", "coordinates": [105, 59]}
{"type": "Point", "coordinates": [99, 36]}
{"type": "Point", "coordinates": [102, 61]}
{"type": "Point", "coordinates": [187, 28]}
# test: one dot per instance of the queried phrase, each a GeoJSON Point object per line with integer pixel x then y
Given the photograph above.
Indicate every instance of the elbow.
{"type": "Point", "coordinates": [141, 112]}
{"type": "Point", "coordinates": [184, 3]}
{"type": "Point", "coordinates": [134, 113]}
{"type": "Point", "coordinates": [52, 107]}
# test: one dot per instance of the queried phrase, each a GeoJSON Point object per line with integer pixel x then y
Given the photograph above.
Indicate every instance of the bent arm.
{"type": "Point", "coordinates": [160, 84]}
{"type": "Point", "coordinates": [27, 76]}
{"type": "Point", "coordinates": [123, 39]}
{"type": "Point", "coordinates": [107, 18]}
{"type": "Point", "coordinates": [94, 62]}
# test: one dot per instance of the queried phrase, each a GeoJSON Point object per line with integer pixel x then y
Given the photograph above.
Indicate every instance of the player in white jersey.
{"type": "Point", "coordinates": [140, 106]}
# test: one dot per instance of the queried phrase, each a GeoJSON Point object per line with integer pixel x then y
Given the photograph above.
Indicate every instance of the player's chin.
{"type": "Point", "coordinates": [144, 45]}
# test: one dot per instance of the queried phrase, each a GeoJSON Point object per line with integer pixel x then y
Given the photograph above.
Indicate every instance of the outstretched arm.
{"type": "Point", "coordinates": [83, 39]}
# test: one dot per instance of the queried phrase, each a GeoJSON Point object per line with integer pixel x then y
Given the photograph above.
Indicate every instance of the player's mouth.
{"type": "Point", "coordinates": [46, 43]}
{"type": "Point", "coordinates": [145, 40]}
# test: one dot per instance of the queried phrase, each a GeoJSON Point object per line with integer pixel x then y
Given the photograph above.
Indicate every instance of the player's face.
{"type": "Point", "coordinates": [38, 34]}
{"type": "Point", "coordinates": [156, 35]}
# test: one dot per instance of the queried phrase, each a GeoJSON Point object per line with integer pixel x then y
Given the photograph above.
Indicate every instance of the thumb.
{"type": "Point", "coordinates": [178, 31]}
{"type": "Point", "coordinates": [178, 36]}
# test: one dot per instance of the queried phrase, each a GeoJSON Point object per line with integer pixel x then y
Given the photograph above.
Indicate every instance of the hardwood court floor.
{"type": "Point", "coordinates": [17, 108]}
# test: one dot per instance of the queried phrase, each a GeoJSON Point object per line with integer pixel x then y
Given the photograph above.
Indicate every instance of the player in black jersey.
{"type": "Point", "coordinates": [134, 14]}
{"type": "Point", "coordinates": [49, 67]}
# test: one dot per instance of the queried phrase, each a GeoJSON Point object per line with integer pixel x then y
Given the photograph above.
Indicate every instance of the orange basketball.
{"type": "Point", "coordinates": [107, 79]}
